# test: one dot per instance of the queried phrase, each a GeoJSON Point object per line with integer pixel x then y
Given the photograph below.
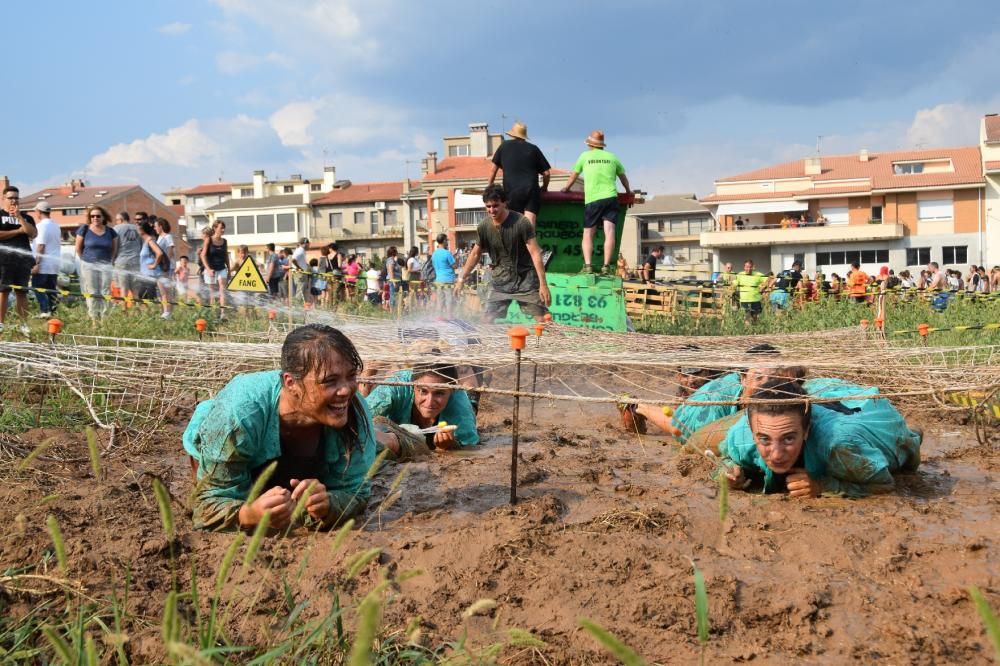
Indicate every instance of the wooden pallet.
{"type": "Point", "coordinates": [672, 300]}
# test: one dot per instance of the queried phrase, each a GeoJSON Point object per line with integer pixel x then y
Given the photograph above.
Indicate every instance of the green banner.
{"type": "Point", "coordinates": [559, 230]}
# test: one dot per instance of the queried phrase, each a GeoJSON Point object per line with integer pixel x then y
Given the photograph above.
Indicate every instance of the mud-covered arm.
{"type": "Point", "coordinates": [223, 487]}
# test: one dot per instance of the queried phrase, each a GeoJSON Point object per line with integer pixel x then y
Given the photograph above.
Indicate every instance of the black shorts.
{"type": "Point", "coordinates": [14, 272]}
{"type": "Point", "coordinates": [525, 200]}
{"type": "Point", "coordinates": [597, 211]}
{"type": "Point", "coordinates": [755, 307]}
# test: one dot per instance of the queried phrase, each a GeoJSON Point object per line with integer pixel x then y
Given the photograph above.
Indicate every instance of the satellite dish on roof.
{"type": "Point", "coordinates": [341, 184]}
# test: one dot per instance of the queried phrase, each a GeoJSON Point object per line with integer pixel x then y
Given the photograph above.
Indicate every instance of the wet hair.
{"type": "Point", "coordinates": [788, 396]}
{"type": "Point", "coordinates": [494, 193]}
{"type": "Point", "coordinates": [308, 348]}
{"type": "Point", "coordinates": [444, 373]}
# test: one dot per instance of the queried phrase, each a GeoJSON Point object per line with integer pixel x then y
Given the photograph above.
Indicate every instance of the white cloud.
{"type": "Point", "coordinates": [180, 146]}
{"type": "Point", "coordinates": [236, 62]}
{"type": "Point", "coordinates": [954, 124]}
{"type": "Point", "coordinates": [175, 28]}
{"type": "Point", "coordinates": [291, 122]}
{"type": "Point", "coordinates": [332, 27]}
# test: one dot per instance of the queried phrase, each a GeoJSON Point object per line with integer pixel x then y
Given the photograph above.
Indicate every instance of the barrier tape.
{"type": "Point", "coordinates": [963, 327]}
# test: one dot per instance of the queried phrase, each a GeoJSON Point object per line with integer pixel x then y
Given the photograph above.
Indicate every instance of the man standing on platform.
{"type": "Point", "coordinates": [600, 168]}
{"type": "Point", "coordinates": [522, 163]}
{"type": "Point", "coordinates": [518, 272]}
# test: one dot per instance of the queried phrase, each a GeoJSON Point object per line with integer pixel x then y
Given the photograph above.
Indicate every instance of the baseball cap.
{"type": "Point", "coordinates": [43, 207]}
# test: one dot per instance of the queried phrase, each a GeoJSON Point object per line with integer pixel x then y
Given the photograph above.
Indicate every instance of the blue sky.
{"type": "Point", "coordinates": [179, 93]}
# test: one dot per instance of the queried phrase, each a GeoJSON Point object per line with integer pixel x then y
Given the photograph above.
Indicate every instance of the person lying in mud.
{"type": "Point", "coordinates": [402, 411]}
{"type": "Point", "coordinates": [729, 388]}
{"type": "Point", "coordinates": [796, 444]}
{"type": "Point", "coordinates": [307, 417]}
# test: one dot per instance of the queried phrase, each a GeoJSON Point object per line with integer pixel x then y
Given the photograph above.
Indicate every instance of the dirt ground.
{"type": "Point", "coordinates": [607, 527]}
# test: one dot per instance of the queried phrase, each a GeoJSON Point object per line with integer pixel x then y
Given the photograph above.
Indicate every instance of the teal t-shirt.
{"type": "Point", "coordinates": [600, 169]}
{"type": "Point", "coordinates": [396, 404]}
{"type": "Point", "coordinates": [237, 432]}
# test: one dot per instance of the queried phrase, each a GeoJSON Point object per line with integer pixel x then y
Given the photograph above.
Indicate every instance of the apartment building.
{"type": "Point", "coordinates": [69, 204]}
{"type": "Point", "coordinates": [989, 143]}
{"type": "Point", "coordinates": [675, 222]}
{"type": "Point", "coordinates": [895, 208]}
{"type": "Point", "coordinates": [193, 203]}
{"type": "Point", "coordinates": [367, 218]}
{"type": "Point", "coordinates": [266, 211]}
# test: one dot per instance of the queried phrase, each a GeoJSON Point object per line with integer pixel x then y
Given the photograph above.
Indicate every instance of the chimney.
{"type": "Point", "coordinates": [258, 184]}
{"type": "Point", "coordinates": [863, 155]}
{"type": "Point", "coordinates": [4, 182]}
{"type": "Point", "coordinates": [329, 178]}
{"type": "Point", "coordinates": [429, 164]}
{"type": "Point", "coordinates": [479, 144]}
{"type": "Point", "coordinates": [307, 194]}
{"type": "Point", "coordinates": [76, 184]}
{"type": "Point", "coordinates": [406, 186]}
{"type": "Point", "coordinates": [814, 166]}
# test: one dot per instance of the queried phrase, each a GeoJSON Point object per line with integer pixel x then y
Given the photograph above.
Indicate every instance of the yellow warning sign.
{"type": "Point", "coordinates": [248, 278]}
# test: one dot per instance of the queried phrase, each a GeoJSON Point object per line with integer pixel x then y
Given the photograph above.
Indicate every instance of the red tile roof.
{"type": "Point", "coordinates": [993, 165]}
{"type": "Point", "coordinates": [85, 196]}
{"type": "Point", "coordinates": [461, 168]}
{"type": "Point", "coordinates": [879, 170]}
{"type": "Point", "coordinates": [363, 192]}
{"type": "Point", "coordinates": [208, 188]}
{"type": "Point", "coordinates": [992, 128]}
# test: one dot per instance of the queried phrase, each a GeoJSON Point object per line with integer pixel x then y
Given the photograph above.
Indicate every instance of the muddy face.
{"type": "Point", "coordinates": [779, 439]}
{"type": "Point", "coordinates": [324, 395]}
{"type": "Point", "coordinates": [428, 403]}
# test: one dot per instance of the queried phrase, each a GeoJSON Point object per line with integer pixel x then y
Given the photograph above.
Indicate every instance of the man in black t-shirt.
{"type": "Point", "coordinates": [518, 272]}
{"type": "Point", "coordinates": [785, 284]}
{"type": "Point", "coordinates": [649, 266]}
{"type": "Point", "coordinates": [522, 163]}
{"type": "Point", "coordinates": [16, 258]}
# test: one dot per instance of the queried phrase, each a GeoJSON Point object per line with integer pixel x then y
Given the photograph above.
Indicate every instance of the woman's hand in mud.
{"type": "Point", "coordinates": [388, 440]}
{"type": "Point", "coordinates": [800, 484]}
{"type": "Point", "coordinates": [735, 477]}
{"type": "Point", "coordinates": [276, 500]}
{"type": "Point", "coordinates": [318, 504]}
{"type": "Point", "coordinates": [446, 441]}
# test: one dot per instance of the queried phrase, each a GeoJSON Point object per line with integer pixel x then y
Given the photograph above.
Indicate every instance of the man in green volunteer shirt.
{"type": "Point", "coordinates": [748, 284]}
{"type": "Point", "coordinates": [600, 197]}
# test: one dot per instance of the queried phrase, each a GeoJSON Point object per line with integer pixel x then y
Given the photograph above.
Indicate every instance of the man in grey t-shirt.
{"type": "Point", "coordinates": [127, 261]}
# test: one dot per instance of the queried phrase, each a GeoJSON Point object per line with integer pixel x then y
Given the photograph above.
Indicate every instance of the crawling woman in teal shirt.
{"type": "Point", "coordinates": [410, 402]}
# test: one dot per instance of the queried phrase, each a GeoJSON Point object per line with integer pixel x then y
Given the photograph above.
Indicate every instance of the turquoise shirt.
{"type": "Point", "coordinates": [689, 417]}
{"type": "Point", "coordinates": [237, 431]}
{"type": "Point", "coordinates": [396, 404]}
{"type": "Point", "coordinates": [851, 454]}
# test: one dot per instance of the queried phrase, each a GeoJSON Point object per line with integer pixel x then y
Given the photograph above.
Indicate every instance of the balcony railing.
{"type": "Point", "coordinates": [361, 234]}
{"type": "Point", "coordinates": [469, 218]}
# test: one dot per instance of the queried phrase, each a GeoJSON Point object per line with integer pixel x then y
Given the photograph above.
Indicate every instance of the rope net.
{"type": "Point", "coordinates": [137, 385]}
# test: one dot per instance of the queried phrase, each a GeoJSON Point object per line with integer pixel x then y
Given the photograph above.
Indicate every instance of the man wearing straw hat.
{"type": "Point", "coordinates": [522, 162]}
{"type": "Point", "coordinates": [600, 168]}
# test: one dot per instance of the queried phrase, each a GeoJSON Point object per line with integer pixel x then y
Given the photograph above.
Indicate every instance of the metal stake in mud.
{"type": "Point", "coordinates": [534, 368]}
{"type": "Point", "coordinates": [518, 339]}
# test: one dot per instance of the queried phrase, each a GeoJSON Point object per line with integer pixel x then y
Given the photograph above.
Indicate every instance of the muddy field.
{"type": "Point", "coordinates": [606, 528]}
